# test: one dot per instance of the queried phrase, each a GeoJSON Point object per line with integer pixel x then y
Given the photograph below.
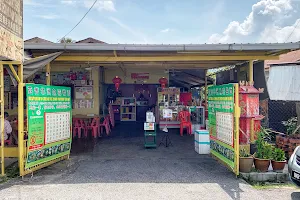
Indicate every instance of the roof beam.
{"type": "Point", "coordinates": [161, 58]}
{"type": "Point", "coordinates": [181, 83]}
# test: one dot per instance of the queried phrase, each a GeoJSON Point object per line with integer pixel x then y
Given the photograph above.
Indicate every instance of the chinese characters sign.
{"type": "Point", "coordinates": [11, 29]}
{"type": "Point", "coordinates": [221, 122]}
{"type": "Point", "coordinates": [49, 123]}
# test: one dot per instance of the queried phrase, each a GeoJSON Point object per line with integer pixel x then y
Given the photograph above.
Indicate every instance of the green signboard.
{"type": "Point", "coordinates": [49, 114]}
{"type": "Point", "coordinates": [221, 122]}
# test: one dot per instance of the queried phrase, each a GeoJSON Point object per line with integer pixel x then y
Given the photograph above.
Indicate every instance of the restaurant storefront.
{"type": "Point", "coordinates": [114, 84]}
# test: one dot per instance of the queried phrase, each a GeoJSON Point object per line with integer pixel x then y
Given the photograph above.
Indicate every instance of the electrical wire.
{"type": "Point", "coordinates": [292, 31]}
{"type": "Point", "coordinates": [80, 20]}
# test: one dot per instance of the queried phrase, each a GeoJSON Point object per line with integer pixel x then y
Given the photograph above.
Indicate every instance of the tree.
{"type": "Point", "coordinates": [67, 40]}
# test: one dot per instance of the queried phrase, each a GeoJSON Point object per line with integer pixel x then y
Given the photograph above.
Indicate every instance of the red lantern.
{"type": "Point", "coordinates": [117, 81]}
{"type": "Point", "coordinates": [163, 82]}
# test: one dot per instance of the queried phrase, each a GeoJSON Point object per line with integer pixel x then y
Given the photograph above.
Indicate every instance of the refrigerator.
{"type": "Point", "coordinates": [197, 117]}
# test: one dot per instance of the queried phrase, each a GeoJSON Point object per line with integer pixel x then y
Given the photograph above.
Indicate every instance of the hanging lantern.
{"type": "Point", "coordinates": [117, 81]}
{"type": "Point", "coordinates": [163, 82]}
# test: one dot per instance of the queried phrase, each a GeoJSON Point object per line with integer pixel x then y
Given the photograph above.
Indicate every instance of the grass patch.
{"type": "Point", "coordinates": [265, 186]}
{"type": "Point", "coordinates": [12, 171]}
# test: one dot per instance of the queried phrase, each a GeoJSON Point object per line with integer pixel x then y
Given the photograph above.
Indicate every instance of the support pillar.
{"type": "Point", "coordinates": [251, 81]}
{"type": "Point", "coordinates": [205, 94]}
{"type": "Point", "coordinates": [21, 120]}
{"type": "Point", "coordinates": [48, 74]}
{"type": "Point", "coordinates": [250, 71]}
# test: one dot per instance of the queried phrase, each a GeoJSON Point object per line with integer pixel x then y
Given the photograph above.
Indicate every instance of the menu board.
{"type": "Point", "coordinates": [224, 124]}
{"type": "Point", "coordinates": [49, 123]}
{"type": "Point", "coordinates": [221, 122]}
{"type": "Point", "coordinates": [57, 127]}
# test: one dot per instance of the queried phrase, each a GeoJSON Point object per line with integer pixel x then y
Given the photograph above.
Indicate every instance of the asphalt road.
{"type": "Point", "coordinates": [120, 168]}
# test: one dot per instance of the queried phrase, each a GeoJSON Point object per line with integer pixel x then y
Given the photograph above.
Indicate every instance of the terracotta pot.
{"type": "Point", "coordinates": [278, 165]}
{"type": "Point", "coordinates": [246, 164]}
{"type": "Point", "coordinates": [261, 164]}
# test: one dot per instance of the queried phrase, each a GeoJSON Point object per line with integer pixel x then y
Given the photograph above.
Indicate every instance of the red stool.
{"type": "Point", "coordinates": [94, 127]}
{"type": "Point", "coordinates": [185, 122]}
{"type": "Point", "coordinates": [105, 124]}
{"type": "Point", "coordinates": [78, 127]}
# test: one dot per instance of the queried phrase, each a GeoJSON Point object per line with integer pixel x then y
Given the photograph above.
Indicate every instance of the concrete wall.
{"type": "Point", "coordinates": [96, 88]}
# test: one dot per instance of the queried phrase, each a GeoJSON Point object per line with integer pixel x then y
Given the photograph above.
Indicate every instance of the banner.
{"type": "Point", "coordinates": [221, 123]}
{"type": "Point", "coordinates": [49, 114]}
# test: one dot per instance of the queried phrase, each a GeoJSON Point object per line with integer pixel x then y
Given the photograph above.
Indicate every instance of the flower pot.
{"type": "Point", "coordinates": [246, 164]}
{"type": "Point", "coordinates": [278, 165]}
{"type": "Point", "coordinates": [261, 164]}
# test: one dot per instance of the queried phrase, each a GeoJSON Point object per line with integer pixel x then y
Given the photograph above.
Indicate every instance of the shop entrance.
{"type": "Point", "coordinates": [115, 85]}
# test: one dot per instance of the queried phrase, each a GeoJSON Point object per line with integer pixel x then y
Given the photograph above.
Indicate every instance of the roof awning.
{"type": "Point", "coordinates": [180, 56]}
{"type": "Point", "coordinates": [33, 65]}
{"type": "Point", "coordinates": [284, 83]}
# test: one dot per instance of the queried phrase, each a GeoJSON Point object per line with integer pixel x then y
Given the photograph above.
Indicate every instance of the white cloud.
{"type": "Point", "coordinates": [269, 21]}
{"type": "Point", "coordinates": [31, 3]}
{"type": "Point", "coordinates": [129, 29]}
{"type": "Point", "coordinates": [69, 2]}
{"type": "Point", "coordinates": [107, 5]}
{"type": "Point", "coordinates": [167, 30]}
{"type": "Point", "coordinates": [50, 16]}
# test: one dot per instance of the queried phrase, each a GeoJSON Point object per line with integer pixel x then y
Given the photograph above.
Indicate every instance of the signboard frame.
{"type": "Point", "coordinates": [43, 100]}
{"type": "Point", "coordinates": [224, 100]}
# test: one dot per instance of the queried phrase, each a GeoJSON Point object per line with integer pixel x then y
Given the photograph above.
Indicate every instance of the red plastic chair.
{"type": "Point", "coordinates": [78, 127]}
{"type": "Point", "coordinates": [94, 127]}
{"type": "Point", "coordinates": [105, 124]}
{"type": "Point", "coordinates": [185, 122]}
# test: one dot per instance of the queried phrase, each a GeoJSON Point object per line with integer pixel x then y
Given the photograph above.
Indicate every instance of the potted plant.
{"type": "Point", "coordinates": [263, 154]}
{"type": "Point", "coordinates": [278, 160]}
{"type": "Point", "coordinates": [246, 161]}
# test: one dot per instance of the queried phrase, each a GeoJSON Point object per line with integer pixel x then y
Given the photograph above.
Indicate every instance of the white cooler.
{"type": "Point", "coordinates": [202, 144]}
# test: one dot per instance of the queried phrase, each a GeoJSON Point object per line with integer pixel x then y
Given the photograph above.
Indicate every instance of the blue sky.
{"type": "Point", "coordinates": [165, 21]}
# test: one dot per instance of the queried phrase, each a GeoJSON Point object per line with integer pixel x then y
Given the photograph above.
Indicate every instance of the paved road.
{"type": "Point", "coordinates": [120, 168]}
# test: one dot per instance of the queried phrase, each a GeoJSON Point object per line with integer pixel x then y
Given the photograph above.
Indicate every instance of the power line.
{"type": "Point", "coordinates": [80, 20]}
{"type": "Point", "coordinates": [292, 31]}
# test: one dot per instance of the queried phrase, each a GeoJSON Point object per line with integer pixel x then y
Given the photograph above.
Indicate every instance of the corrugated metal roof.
{"type": "Point", "coordinates": [272, 48]}
{"type": "Point", "coordinates": [284, 83]}
{"type": "Point", "coordinates": [288, 58]}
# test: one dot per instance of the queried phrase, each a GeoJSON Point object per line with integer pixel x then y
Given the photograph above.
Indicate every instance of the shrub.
{"type": "Point", "coordinates": [278, 155]}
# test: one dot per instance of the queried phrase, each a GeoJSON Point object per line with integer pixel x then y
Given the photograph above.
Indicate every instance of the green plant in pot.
{"type": "Point", "coordinates": [278, 159]}
{"type": "Point", "coordinates": [246, 161]}
{"type": "Point", "coordinates": [263, 155]}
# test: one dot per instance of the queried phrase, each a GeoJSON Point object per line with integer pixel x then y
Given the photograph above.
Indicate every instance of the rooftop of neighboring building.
{"type": "Point", "coordinates": [288, 58]}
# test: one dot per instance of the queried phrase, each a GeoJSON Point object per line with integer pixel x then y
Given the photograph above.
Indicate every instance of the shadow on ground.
{"type": "Point", "coordinates": [122, 158]}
